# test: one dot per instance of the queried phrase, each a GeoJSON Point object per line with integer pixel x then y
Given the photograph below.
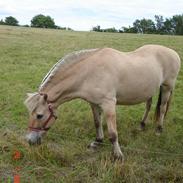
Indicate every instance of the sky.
{"type": "Point", "coordinates": [85, 14]}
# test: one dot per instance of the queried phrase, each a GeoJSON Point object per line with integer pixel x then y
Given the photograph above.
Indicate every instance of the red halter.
{"type": "Point", "coordinates": [43, 128]}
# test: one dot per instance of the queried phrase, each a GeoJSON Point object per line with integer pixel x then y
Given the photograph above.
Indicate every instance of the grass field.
{"type": "Point", "coordinates": [26, 55]}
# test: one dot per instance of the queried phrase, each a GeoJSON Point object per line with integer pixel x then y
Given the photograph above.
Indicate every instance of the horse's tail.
{"type": "Point", "coordinates": [157, 112]}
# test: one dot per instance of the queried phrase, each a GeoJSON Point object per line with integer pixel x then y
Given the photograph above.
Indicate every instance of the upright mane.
{"type": "Point", "coordinates": [67, 61]}
{"type": "Point", "coordinates": [32, 101]}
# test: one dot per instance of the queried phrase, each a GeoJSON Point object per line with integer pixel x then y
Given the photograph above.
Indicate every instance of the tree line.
{"type": "Point", "coordinates": [161, 25]}
{"type": "Point", "coordinates": [39, 21]}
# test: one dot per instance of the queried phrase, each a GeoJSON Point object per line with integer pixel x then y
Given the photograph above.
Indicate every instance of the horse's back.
{"type": "Point", "coordinates": [164, 55]}
{"type": "Point", "coordinates": [131, 77]}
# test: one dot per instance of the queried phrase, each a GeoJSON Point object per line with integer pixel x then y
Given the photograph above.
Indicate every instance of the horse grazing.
{"type": "Point", "coordinates": [105, 77]}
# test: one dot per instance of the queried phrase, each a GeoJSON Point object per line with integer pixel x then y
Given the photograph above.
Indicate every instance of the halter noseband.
{"type": "Point", "coordinates": [52, 115]}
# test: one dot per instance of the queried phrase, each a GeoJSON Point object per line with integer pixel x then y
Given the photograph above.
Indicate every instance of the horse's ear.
{"type": "Point", "coordinates": [44, 96]}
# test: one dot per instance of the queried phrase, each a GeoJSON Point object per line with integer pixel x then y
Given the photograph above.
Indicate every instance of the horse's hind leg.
{"type": "Point", "coordinates": [98, 125]}
{"type": "Point", "coordinates": [162, 107]}
{"type": "Point", "coordinates": [144, 119]}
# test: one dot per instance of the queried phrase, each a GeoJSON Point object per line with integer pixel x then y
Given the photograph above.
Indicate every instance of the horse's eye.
{"type": "Point", "coordinates": [39, 116]}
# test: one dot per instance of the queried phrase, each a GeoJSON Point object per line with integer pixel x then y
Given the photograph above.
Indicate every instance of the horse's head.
{"type": "Point", "coordinates": [41, 116]}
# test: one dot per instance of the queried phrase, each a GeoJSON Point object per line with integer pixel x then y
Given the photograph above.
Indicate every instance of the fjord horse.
{"type": "Point", "coordinates": [105, 77]}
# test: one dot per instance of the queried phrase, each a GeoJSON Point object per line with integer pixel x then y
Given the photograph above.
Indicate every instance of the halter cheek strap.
{"type": "Point", "coordinates": [44, 128]}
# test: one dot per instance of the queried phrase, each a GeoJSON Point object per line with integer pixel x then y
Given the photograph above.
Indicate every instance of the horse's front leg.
{"type": "Point", "coordinates": [109, 109]}
{"type": "Point", "coordinates": [98, 125]}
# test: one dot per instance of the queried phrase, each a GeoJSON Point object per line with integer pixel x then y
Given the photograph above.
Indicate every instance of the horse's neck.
{"type": "Point", "coordinates": [64, 86]}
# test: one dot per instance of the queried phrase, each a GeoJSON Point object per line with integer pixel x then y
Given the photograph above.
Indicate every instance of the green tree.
{"type": "Point", "coordinates": [11, 21]}
{"type": "Point", "coordinates": [159, 24]}
{"type": "Point", "coordinates": [96, 28]}
{"type": "Point", "coordinates": [177, 22]}
{"type": "Point", "coordinates": [113, 29]}
{"type": "Point", "coordinates": [145, 26]}
{"type": "Point", "coordinates": [168, 27]}
{"type": "Point", "coordinates": [128, 30]}
{"type": "Point", "coordinates": [137, 26]}
{"type": "Point", "coordinates": [43, 21]}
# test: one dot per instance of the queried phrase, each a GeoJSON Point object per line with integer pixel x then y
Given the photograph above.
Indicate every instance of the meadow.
{"type": "Point", "coordinates": [26, 55]}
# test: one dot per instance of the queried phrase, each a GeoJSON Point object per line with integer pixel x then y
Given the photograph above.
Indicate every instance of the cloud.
{"type": "Point", "coordinates": [83, 14]}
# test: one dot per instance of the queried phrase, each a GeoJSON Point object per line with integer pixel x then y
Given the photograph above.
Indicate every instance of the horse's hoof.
{"type": "Point", "coordinates": [118, 157]}
{"type": "Point", "coordinates": [94, 145]}
{"type": "Point", "coordinates": [159, 130]}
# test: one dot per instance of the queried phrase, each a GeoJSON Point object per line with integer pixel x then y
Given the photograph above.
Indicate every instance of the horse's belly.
{"type": "Point", "coordinates": [132, 101]}
{"type": "Point", "coordinates": [134, 95]}
{"type": "Point", "coordinates": [137, 85]}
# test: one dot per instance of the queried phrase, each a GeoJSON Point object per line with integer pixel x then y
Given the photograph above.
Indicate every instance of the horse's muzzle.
{"type": "Point", "coordinates": [33, 138]}
{"type": "Point", "coordinates": [37, 142]}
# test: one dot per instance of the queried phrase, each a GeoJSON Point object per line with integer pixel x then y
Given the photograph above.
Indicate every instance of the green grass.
{"type": "Point", "coordinates": [26, 55]}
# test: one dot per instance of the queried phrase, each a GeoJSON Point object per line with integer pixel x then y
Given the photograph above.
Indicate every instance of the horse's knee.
{"type": "Point", "coordinates": [163, 108]}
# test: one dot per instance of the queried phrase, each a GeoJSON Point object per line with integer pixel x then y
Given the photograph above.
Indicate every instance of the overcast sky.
{"type": "Point", "coordinates": [84, 14]}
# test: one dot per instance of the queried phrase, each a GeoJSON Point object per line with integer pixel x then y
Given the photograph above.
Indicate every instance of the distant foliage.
{"type": "Point", "coordinates": [110, 30]}
{"type": "Point", "coordinates": [40, 21]}
{"type": "Point", "coordinates": [146, 26]}
{"type": "Point", "coordinates": [161, 25]}
{"type": "Point", "coordinates": [98, 29]}
{"type": "Point", "coordinates": [2, 22]}
{"type": "Point", "coordinates": [177, 22]}
{"type": "Point", "coordinates": [25, 25]}
{"type": "Point", "coordinates": [43, 21]}
{"type": "Point", "coordinates": [127, 30]}
{"type": "Point", "coordinates": [63, 28]}
{"type": "Point", "coordinates": [11, 21]}
{"type": "Point", "coordinates": [172, 25]}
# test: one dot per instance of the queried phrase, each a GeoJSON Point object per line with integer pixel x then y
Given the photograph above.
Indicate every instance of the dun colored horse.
{"type": "Point", "coordinates": [105, 77]}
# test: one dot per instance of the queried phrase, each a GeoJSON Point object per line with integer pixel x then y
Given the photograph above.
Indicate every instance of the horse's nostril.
{"type": "Point", "coordinates": [37, 142]}
{"type": "Point", "coordinates": [39, 116]}
{"type": "Point", "coordinates": [30, 142]}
